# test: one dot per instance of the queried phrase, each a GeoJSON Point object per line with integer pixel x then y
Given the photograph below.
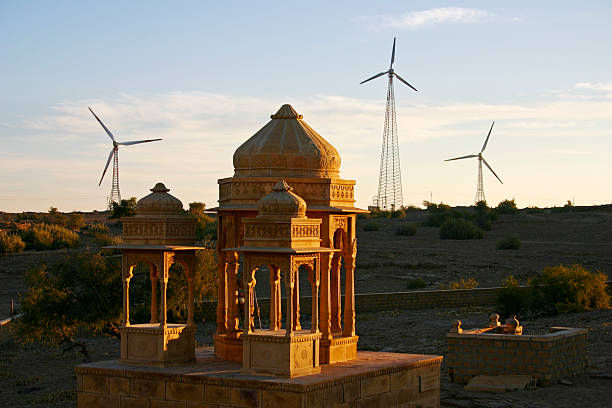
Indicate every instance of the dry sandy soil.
{"type": "Point", "coordinates": [36, 376]}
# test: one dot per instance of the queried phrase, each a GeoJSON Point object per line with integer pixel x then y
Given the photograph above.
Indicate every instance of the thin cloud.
{"type": "Point", "coordinates": [424, 18]}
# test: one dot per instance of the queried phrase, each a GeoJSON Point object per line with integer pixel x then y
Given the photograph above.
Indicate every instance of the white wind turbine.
{"type": "Point", "coordinates": [479, 187]}
{"type": "Point", "coordinates": [115, 195]}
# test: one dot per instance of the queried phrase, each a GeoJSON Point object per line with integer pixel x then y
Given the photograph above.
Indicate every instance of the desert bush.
{"type": "Point", "coordinates": [98, 228]}
{"type": "Point", "coordinates": [371, 226]}
{"type": "Point", "coordinates": [10, 243]}
{"type": "Point", "coordinates": [417, 283]}
{"type": "Point", "coordinates": [510, 241]}
{"type": "Point", "coordinates": [437, 213]}
{"type": "Point", "coordinates": [104, 239]}
{"type": "Point", "coordinates": [459, 228]}
{"type": "Point", "coordinates": [126, 208]}
{"type": "Point", "coordinates": [54, 217]}
{"type": "Point", "coordinates": [469, 283]}
{"type": "Point", "coordinates": [511, 298]}
{"type": "Point", "coordinates": [75, 221]}
{"type": "Point", "coordinates": [405, 229]}
{"type": "Point", "coordinates": [506, 207]}
{"type": "Point", "coordinates": [45, 236]}
{"type": "Point", "coordinates": [75, 291]}
{"type": "Point", "coordinates": [563, 289]}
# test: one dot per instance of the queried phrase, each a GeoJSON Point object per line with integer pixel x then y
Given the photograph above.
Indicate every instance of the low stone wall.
{"type": "Point", "coordinates": [560, 353]}
{"type": "Point", "coordinates": [373, 302]}
{"type": "Point", "coordinates": [372, 380]}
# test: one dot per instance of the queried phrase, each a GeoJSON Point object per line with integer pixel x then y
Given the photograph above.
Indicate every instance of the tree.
{"type": "Point", "coordinates": [79, 290]}
{"type": "Point", "coordinates": [126, 208]}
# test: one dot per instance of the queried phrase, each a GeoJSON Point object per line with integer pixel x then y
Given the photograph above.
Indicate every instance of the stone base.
{"type": "Point", "coordinates": [228, 348]}
{"type": "Point", "coordinates": [338, 349]}
{"type": "Point", "coordinates": [150, 344]}
{"type": "Point", "coordinates": [371, 380]}
{"type": "Point", "coordinates": [274, 353]}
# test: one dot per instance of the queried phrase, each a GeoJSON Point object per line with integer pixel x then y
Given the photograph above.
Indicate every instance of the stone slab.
{"type": "Point", "coordinates": [501, 383]}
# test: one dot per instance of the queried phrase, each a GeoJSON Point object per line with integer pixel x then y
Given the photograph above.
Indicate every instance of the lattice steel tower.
{"type": "Point", "coordinates": [389, 195]}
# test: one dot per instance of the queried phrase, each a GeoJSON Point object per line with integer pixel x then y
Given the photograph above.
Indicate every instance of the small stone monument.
{"type": "Point", "coordinates": [160, 235]}
{"type": "Point", "coordinates": [494, 320]}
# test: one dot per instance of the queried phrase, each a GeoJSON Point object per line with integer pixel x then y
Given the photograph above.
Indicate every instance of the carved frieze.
{"type": "Point", "coordinates": [305, 231]}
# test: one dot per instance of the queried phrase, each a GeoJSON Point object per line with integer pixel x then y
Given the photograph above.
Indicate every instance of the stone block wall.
{"type": "Point", "coordinates": [128, 388]}
{"type": "Point", "coordinates": [549, 357]}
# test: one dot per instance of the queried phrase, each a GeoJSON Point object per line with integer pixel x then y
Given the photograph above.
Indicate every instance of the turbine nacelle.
{"type": "Point", "coordinates": [390, 71]}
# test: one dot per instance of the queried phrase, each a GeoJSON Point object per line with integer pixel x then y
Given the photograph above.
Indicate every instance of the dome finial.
{"type": "Point", "coordinates": [286, 112]}
{"type": "Point", "coordinates": [159, 188]}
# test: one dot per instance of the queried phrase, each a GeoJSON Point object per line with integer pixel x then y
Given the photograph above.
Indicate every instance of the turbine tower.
{"type": "Point", "coordinates": [389, 195]}
{"type": "Point", "coordinates": [480, 196]}
{"type": "Point", "coordinates": [115, 194]}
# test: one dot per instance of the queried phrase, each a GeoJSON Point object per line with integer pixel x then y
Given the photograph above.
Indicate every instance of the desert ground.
{"type": "Point", "coordinates": [36, 376]}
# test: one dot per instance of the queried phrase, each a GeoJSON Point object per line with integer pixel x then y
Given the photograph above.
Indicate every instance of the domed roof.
{"type": "Point", "coordinates": [281, 202]}
{"type": "Point", "coordinates": [286, 147]}
{"type": "Point", "coordinates": [159, 202]}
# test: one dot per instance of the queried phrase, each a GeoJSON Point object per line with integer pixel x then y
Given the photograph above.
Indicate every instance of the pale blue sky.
{"type": "Point", "coordinates": [205, 76]}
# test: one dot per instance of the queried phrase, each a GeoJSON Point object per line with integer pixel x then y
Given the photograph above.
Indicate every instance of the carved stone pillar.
{"type": "Point", "coordinates": [153, 278]}
{"type": "Point", "coordinates": [249, 285]}
{"type": "Point", "coordinates": [314, 285]}
{"type": "Point", "coordinates": [349, 295]}
{"type": "Point", "coordinates": [296, 301]}
{"type": "Point", "coordinates": [289, 279]}
{"type": "Point", "coordinates": [336, 296]}
{"type": "Point", "coordinates": [325, 322]}
{"type": "Point", "coordinates": [233, 321]}
{"type": "Point", "coordinates": [275, 298]}
{"type": "Point", "coordinates": [222, 317]}
{"type": "Point", "coordinates": [126, 301]}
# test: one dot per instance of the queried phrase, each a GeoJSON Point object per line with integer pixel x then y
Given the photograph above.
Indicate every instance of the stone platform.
{"type": "Point", "coordinates": [373, 379]}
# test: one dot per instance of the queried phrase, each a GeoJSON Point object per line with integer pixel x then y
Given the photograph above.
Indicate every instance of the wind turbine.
{"type": "Point", "coordinates": [479, 188]}
{"type": "Point", "coordinates": [390, 178]}
{"type": "Point", "coordinates": [115, 195]}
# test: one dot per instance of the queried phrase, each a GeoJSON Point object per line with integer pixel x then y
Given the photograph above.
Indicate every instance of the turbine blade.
{"type": "Point", "coordinates": [463, 157]}
{"type": "Point", "coordinates": [402, 79]}
{"type": "Point", "coordinates": [487, 139]}
{"type": "Point", "coordinates": [137, 142]}
{"type": "Point", "coordinates": [392, 54]}
{"type": "Point", "coordinates": [110, 156]}
{"type": "Point", "coordinates": [375, 76]}
{"type": "Point", "coordinates": [487, 164]}
{"type": "Point", "coordinates": [105, 128]}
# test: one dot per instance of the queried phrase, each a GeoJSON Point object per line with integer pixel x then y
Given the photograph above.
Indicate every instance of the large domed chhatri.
{"type": "Point", "coordinates": [159, 202]}
{"type": "Point", "coordinates": [286, 147]}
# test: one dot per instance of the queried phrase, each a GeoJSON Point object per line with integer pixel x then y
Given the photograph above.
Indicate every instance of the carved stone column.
{"type": "Point", "coordinates": [275, 298]}
{"type": "Point", "coordinates": [349, 295]}
{"type": "Point", "coordinates": [126, 301]}
{"type": "Point", "coordinates": [153, 278]}
{"type": "Point", "coordinates": [296, 301]}
{"type": "Point", "coordinates": [233, 320]}
{"type": "Point", "coordinates": [325, 322]}
{"type": "Point", "coordinates": [314, 284]}
{"type": "Point", "coordinates": [222, 318]}
{"type": "Point", "coordinates": [289, 279]}
{"type": "Point", "coordinates": [248, 284]}
{"type": "Point", "coordinates": [336, 296]}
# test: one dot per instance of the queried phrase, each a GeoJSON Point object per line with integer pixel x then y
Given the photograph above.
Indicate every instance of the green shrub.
{"type": "Point", "coordinates": [417, 283]}
{"type": "Point", "coordinates": [106, 239]}
{"type": "Point", "coordinates": [405, 229]}
{"type": "Point", "coordinates": [507, 207]}
{"type": "Point", "coordinates": [469, 283]}
{"type": "Point", "coordinates": [510, 241]}
{"type": "Point", "coordinates": [371, 226]}
{"type": "Point", "coordinates": [512, 299]}
{"type": "Point", "coordinates": [45, 236]}
{"type": "Point", "coordinates": [126, 208]}
{"type": "Point", "coordinates": [10, 243]}
{"type": "Point", "coordinates": [437, 213]}
{"type": "Point", "coordinates": [563, 289]}
{"type": "Point", "coordinates": [206, 226]}
{"type": "Point", "coordinates": [459, 228]}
